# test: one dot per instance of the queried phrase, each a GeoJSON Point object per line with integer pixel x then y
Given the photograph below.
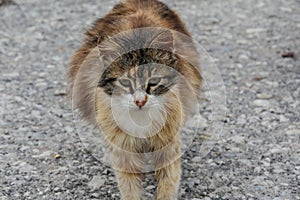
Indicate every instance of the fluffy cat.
{"type": "Point", "coordinates": [136, 78]}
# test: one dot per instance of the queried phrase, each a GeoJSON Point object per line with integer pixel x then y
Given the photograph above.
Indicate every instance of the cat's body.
{"type": "Point", "coordinates": [141, 98]}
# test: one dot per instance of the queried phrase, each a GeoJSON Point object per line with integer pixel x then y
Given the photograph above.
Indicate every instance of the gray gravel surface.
{"type": "Point", "coordinates": [257, 155]}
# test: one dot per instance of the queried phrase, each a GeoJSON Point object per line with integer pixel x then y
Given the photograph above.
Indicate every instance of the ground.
{"type": "Point", "coordinates": [255, 46]}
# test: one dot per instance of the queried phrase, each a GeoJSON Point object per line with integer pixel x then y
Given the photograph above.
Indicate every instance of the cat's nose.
{"type": "Point", "coordinates": [140, 101]}
{"type": "Point", "coordinates": [140, 104]}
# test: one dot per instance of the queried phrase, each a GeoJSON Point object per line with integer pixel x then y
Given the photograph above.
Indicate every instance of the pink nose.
{"type": "Point", "coordinates": [140, 103]}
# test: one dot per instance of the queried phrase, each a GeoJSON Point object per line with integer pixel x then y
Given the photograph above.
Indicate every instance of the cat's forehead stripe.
{"type": "Point", "coordinates": [132, 72]}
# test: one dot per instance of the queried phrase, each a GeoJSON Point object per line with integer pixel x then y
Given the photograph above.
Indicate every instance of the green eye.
{"type": "Point", "coordinates": [125, 82]}
{"type": "Point", "coordinates": [154, 81]}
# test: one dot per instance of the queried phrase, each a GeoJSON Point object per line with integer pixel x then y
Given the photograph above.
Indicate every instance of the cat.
{"type": "Point", "coordinates": [136, 77]}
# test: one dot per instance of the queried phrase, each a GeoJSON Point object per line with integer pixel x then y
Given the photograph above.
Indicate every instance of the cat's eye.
{"type": "Point", "coordinates": [125, 82]}
{"type": "Point", "coordinates": [154, 81]}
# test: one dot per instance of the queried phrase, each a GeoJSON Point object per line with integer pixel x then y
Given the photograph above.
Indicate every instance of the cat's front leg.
{"type": "Point", "coordinates": [168, 181]}
{"type": "Point", "coordinates": [128, 165]}
{"type": "Point", "coordinates": [168, 171]}
{"type": "Point", "coordinates": [130, 185]}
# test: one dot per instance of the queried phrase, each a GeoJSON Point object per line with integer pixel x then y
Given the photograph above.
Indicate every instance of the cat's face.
{"type": "Point", "coordinates": [141, 85]}
{"type": "Point", "coordinates": [139, 98]}
{"type": "Point", "coordinates": [142, 75]}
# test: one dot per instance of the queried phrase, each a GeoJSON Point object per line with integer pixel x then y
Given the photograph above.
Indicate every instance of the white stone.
{"type": "Point", "coordinates": [293, 132]}
{"type": "Point", "coordinates": [255, 30]}
{"type": "Point", "coordinates": [150, 187]}
{"type": "Point", "coordinates": [96, 182]}
{"type": "Point", "coordinates": [282, 118]}
{"type": "Point", "coordinates": [261, 103]}
{"type": "Point", "coordinates": [264, 96]}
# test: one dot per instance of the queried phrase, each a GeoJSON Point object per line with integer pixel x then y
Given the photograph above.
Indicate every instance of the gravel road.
{"type": "Point", "coordinates": [255, 45]}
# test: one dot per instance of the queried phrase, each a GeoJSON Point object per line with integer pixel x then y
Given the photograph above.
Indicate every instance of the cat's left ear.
{"type": "Point", "coordinates": [109, 50]}
{"type": "Point", "coordinates": [160, 38]}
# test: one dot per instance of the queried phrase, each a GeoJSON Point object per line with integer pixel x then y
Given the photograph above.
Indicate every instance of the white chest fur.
{"type": "Point", "coordinates": [139, 122]}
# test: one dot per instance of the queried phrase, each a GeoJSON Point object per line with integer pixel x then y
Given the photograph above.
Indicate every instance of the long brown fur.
{"type": "Point", "coordinates": [95, 104]}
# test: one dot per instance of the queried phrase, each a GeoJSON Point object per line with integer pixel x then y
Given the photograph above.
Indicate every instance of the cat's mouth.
{"type": "Point", "coordinates": [139, 108]}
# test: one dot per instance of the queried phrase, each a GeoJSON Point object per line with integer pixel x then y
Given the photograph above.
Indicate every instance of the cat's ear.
{"type": "Point", "coordinates": [109, 50]}
{"type": "Point", "coordinates": [160, 39]}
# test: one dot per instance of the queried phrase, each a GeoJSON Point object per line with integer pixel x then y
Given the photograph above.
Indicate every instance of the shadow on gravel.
{"type": "Point", "coordinates": [6, 3]}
